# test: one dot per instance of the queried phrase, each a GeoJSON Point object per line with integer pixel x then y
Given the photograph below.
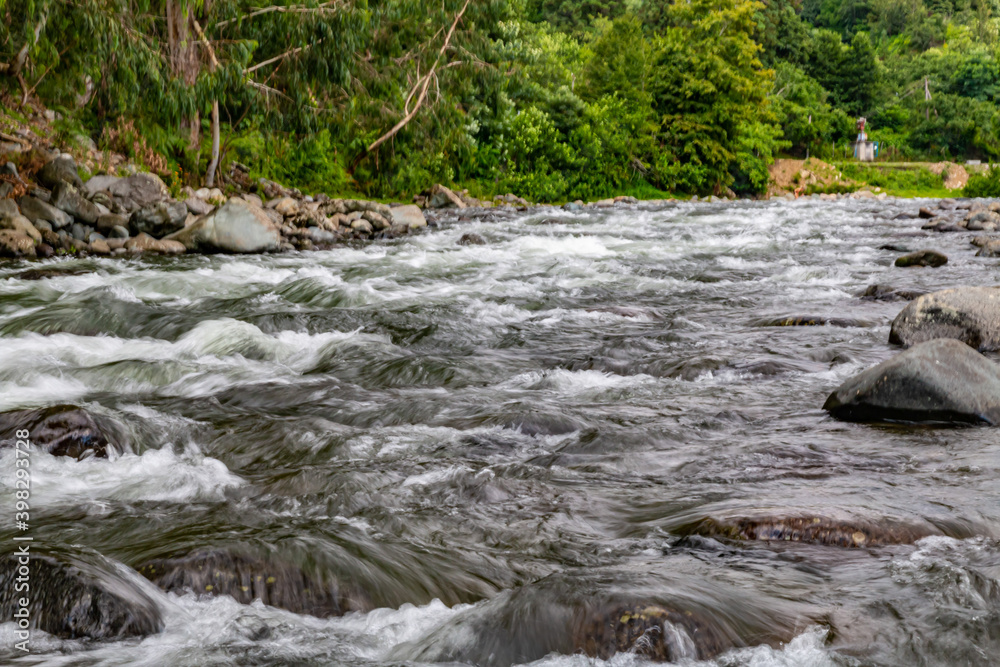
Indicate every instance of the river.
{"type": "Point", "coordinates": [480, 437]}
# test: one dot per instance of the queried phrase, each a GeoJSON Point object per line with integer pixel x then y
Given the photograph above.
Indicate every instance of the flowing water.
{"type": "Point", "coordinates": [481, 437]}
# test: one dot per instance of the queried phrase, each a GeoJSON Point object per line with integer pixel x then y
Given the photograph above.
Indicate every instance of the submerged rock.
{"type": "Point", "coordinates": [64, 430]}
{"type": "Point", "coordinates": [471, 238]}
{"type": "Point", "coordinates": [968, 314]}
{"type": "Point", "coordinates": [811, 530]}
{"type": "Point", "coordinates": [246, 577]}
{"type": "Point", "coordinates": [888, 293]}
{"type": "Point", "coordinates": [78, 595]}
{"type": "Point", "coordinates": [931, 258]}
{"type": "Point", "coordinates": [649, 630]}
{"type": "Point", "coordinates": [813, 321]}
{"type": "Point", "coordinates": [938, 381]}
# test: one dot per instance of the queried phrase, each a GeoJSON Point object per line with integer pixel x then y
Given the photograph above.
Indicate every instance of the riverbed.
{"type": "Point", "coordinates": [480, 437]}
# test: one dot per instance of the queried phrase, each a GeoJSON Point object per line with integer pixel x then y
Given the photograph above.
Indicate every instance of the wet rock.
{"type": "Point", "coordinates": [100, 247]}
{"type": "Point", "coordinates": [926, 213]}
{"type": "Point", "coordinates": [888, 293]}
{"type": "Point", "coordinates": [44, 251]}
{"type": "Point", "coordinates": [442, 197]}
{"type": "Point", "coordinates": [981, 241]}
{"type": "Point", "coordinates": [15, 244]}
{"type": "Point", "coordinates": [66, 198]}
{"type": "Point", "coordinates": [983, 220]}
{"type": "Point", "coordinates": [77, 595]}
{"type": "Point", "coordinates": [142, 243]}
{"type": "Point", "coordinates": [19, 224]}
{"type": "Point", "coordinates": [170, 247]}
{"type": "Point", "coordinates": [362, 226]}
{"type": "Point", "coordinates": [35, 209]}
{"type": "Point", "coordinates": [65, 430]}
{"type": "Point", "coordinates": [409, 216]}
{"type": "Point", "coordinates": [160, 219]}
{"type": "Point", "coordinates": [51, 272]}
{"type": "Point", "coordinates": [813, 321]}
{"type": "Point", "coordinates": [923, 258]}
{"type": "Point", "coordinates": [648, 630]}
{"type": "Point", "coordinates": [108, 221]}
{"type": "Point", "coordinates": [237, 226]}
{"type": "Point", "coordinates": [968, 314]}
{"type": "Point", "coordinates": [62, 169]}
{"type": "Point", "coordinates": [941, 380]}
{"type": "Point", "coordinates": [471, 239]}
{"type": "Point", "coordinates": [198, 206]}
{"type": "Point", "coordinates": [246, 577]}
{"type": "Point", "coordinates": [989, 249]}
{"type": "Point", "coordinates": [853, 534]}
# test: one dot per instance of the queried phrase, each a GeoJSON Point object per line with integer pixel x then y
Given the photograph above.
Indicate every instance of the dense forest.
{"type": "Point", "coordinates": [551, 99]}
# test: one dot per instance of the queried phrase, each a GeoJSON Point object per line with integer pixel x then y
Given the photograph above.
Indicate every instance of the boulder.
{"type": "Point", "coordinates": [940, 380]}
{"type": "Point", "coordinates": [362, 226]}
{"type": "Point", "coordinates": [62, 169]}
{"type": "Point", "coordinates": [169, 247]}
{"type": "Point", "coordinates": [379, 221]}
{"type": "Point", "coordinates": [15, 244]}
{"type": "Point", "coordinates": [983, 220]}
{"type": "Point", "coordinates": [65, 430]}
{"type": "Point", "coordinates": [922, 258]}
{"type": "Point", "coordinates": [100, 183]}
{"type": "Point", "coordinates": [108, 221]}
{"type": "Point", "coordinates": [66, 198]}
{"type": "Point", "coordinates": [198, 206]}
{"type": "Point", "coordinates": [286, 206]}
{"type": "Point", "coordinates": [237, 226]}
{"type": "Point", "coordinates": [989, 249]}
{"type": "Point", "coordinates": [76, 594]}
{"type": "Point", "coordinates": [889, 293]}
{"type": "Point", "coordinates": [442, 197]}
{"type": "Point", "coordinates": [471, 238]}
{"type": "Point", "coordinates": [852, 534]}
{"type": "Point", "coordinates": [140, 190]}
{"type": "Point", "coordinates": [968, 314]}
{"type": "Point", "coordinates": [20, 224]}
{"type": "Point", "coordinates": [35, 209]}
{"type": "Point", "coordinates": [409, 216]}
{"type": "Point", "coordinates": [142, 243]}
{"type": "Point", "coordinates": [160, 219]}
{"type": "Point", "coordinates": [926, 214]}
{"type": "Point", "coordinates": [246, 576]}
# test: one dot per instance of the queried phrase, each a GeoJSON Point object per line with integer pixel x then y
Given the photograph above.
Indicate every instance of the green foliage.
{"type": "Point", "coordinates": [985, 184]}
{"type": "Point", "coordinates": [895, 181]}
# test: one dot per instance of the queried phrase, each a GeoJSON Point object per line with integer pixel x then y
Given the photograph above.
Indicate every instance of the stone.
{"type": "Point", "coordinates": [66, 198]}
{"type": "Point", "coordinates": [968, 314]}
{"type": "Point", "coordinates": [379, 222]}
{"type": "Point", "coordinates": [471, 238]}
{"type": "Point", "coordinates": [941, 380]}
{"type": "Point", "coordinates": [65, 430]}
{"type": "Point", "coordinates": [888, 293]}
{"type": "Point", "coordinates": [362, 226]}
{"type": "Point", "coordinates": [411, 216]}
{"type": "Point", "coordinates": [198, 206]}
{"type": "Point", "coordinates": [851, 534]}
{"type": "Point", "coordinates": [236, 226]}
{"type": "Point", "coordinates": [80, 595]}
{"type": "Point", "coordinates": [43, 226]}
{"type": "Point", "coordinates": [35, 209]}
{"type": "Point", "coordinates": [20, 224]}
{"type": "Point", "coordinates": [926, 213]}
{"type": "Point", "coordinates": [286, 206]}
{"type": "Point", "coordinates": [62, 169]}
{"type": "Point", "coordinates": [44, 251]}
{"type": "Point", "coordinates": [108, 221]}
{"type": "Point", "coordinates": [160, 219]}
{"type": "Point", "coordinates": [80, 232]}
{"type": "Point", "coordinates": [100, 247]}
{"type": "Point", "coordinates": [140, 189]}
{"type": "Point", "coordinates": [983, 220]}
{"type": "Point", "coordinates": [253, 199]}
{"type": "Point", "coordinates": [442, 197]}
{"type": "Point", "coordinates": [321, 235]}
{"type": "Point", "coordinates": [99, 183]}
{"type": "Point", "coordinates": [990, 249]}
{"type": "Point", "coordinates": [142, 243]}
{"type": "Point", "coordinates": [171, 247]}
{"type": "Point", "coordinates": [118, 232]}
{"type": "Point", "coordinates": [246, 576]}
{"type": "Point", "coordinates": [15, 244]}
{"type": "Point", "coordinates": [813, 321]}
{"type": "Point", "coordinates": [95, 236]}
{"type": "Point", "coordinates": [930, 258]}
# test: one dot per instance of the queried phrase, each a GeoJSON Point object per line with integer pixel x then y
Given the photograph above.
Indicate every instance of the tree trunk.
{"type": "Point", "coordinates": [214, 164]}
{"type": "Point", "coordinates": [183, 57]}
{"type": "Point", "coordinates": [22, 55]}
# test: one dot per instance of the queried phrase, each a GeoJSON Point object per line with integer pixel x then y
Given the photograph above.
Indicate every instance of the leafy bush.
{"type": "Point", "coordinates": [986, 184]}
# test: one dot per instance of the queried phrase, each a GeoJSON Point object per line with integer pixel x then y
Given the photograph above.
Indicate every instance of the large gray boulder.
{"type": "Point", "coordinates": [100, 183]}
{"type": "Point", "coordinates": [968, 314]}
{"type": "Point", "coordinates": [160, 219]}
{"type": "Point", "coordinates": [237, 226]}
{"type": "Point", "coordinates": [938, 381]}
{"type": "Point", "coordinates": [409, 216]}
{"type": "Point", "coordinates": [35, 209]}
{"type": "Point", "coordinates": [63, 168]}
{"type": "Point", "coordinates": [68, 199]}
{"type": "Point", "coordinates": [16, 244]}
{"type": "Point", "coordinates": [138, 190]}
{"type": "Point", "coordinates": [76, 594]}
{"type": "Point", "coordinates": [443, 197]}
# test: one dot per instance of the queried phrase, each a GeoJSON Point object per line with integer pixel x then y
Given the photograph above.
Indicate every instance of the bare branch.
{"type": "Point", "coordinates": [423, 88]}
{"type": "Point", "coordinates": [293, 9]}
{"type": "Point", "coordinates": [286, 54]}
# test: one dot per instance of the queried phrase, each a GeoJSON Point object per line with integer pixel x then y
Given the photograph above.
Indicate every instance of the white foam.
{"type": "Point", "coordinates": [156, 475]}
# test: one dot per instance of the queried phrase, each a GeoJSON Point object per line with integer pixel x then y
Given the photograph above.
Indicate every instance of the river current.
{"type": "Point", "coordinates": [477, 436]}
